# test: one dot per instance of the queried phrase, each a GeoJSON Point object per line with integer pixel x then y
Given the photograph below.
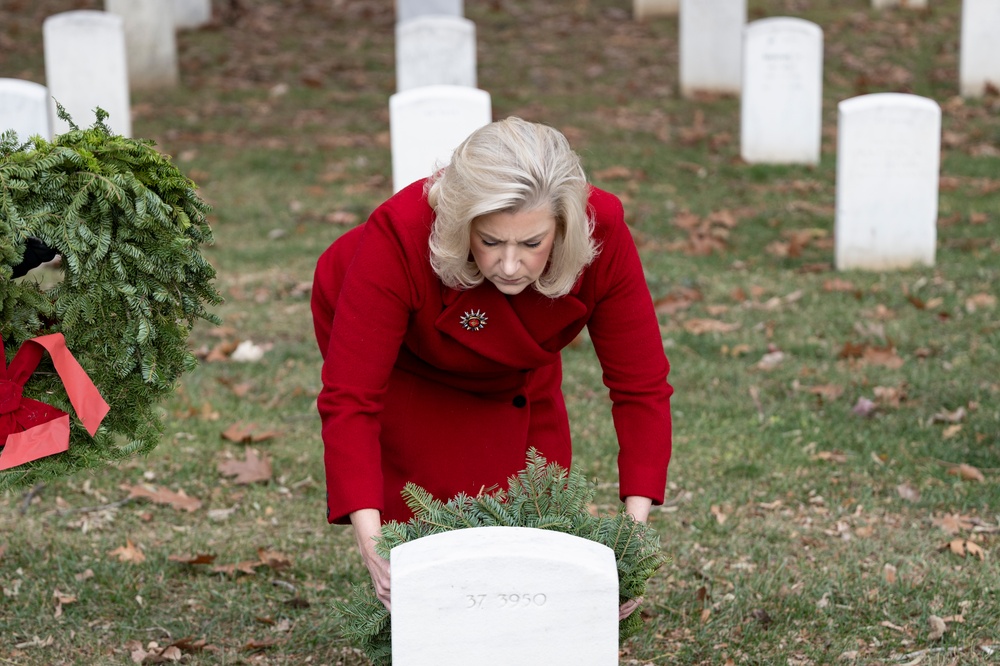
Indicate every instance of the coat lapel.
{"type": "Point", "coordinates": [520, 332]}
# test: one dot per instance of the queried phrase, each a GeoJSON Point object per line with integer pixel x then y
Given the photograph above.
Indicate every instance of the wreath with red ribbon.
{"type": "Point", "coordinates": [114, 317]}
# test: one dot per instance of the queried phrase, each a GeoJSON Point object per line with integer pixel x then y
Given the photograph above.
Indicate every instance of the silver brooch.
{"type": "Point", "coordinates": [474, 320]}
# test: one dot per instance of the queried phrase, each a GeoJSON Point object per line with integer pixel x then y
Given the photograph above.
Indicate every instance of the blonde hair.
{"type": "Point", "coordinates": [511, 166]}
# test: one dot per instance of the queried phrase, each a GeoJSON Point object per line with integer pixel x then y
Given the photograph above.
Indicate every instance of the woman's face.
{"type": "Point", "coordinates": [512, 249]}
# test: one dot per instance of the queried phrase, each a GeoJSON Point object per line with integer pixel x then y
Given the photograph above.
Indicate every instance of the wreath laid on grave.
{"type": "Point", "coordinates": [543, 495]}
{"type": "Point", "coordinates": [128, 226]}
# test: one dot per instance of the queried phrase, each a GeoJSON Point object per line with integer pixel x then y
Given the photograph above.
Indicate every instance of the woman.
{"type": "Point", "coordinates": [441, 321]}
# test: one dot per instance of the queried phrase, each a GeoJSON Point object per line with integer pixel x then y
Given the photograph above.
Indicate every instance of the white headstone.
{"type": "Point", "coordinates": [24, 108]}
{"type": "Point", "coordinates": [190, 14]}
{"type": "Point", "coordinates": [492, 595]}
{"type": "Point", "coordinates": [781, 106]}
{"type": "Point", "coordinates": [411, 9]}
{"type": "Point", "coordinates": [711, 45]}
{"type": "Point", "coordinates": [643, 9]}
{"type": "Point", "coordinates": [150, 42]}
{"type": "Point", "coordinates": [912, 4]}
{"type": "Point", "coordinates": [85, 68]}
{"type": "Point", "coordinates": [888, 156]}
{"type": "Point", "coordinates": [979, 53]}
{"type": "Point", "coordinates": [427, 124]}
{"type": "Point", "coordinates": [433, 50]}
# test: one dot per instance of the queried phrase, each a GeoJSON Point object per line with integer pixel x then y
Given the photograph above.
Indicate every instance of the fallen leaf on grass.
{"type": "Point", "coordinates": [231, 570]}
{"type": "Point", "coordinates": [967, 472]}
{"type": "Point", "coordinates": [273, 559]}
{"type": "Point", "coordinates": [976, 301]}
{"type": "Point", "coordinates": [250, 470]}
{"type": "Point", "coordinates": [720, 516]}
{"type": "Point", "coordinates": [179, 500]}
{"type": "Point", "coordinates": [831, 456]}
{"type": "Point", "coordinates": [61, 599]}
{"type": "Point", "coordinates": [945, 416]}
{"type": "Point", "coordinates": [837, 284]}
{"type": "Point", "coordinates": [242, 432]}
{"type": "Point", "coordinates": [908, 492]}
{"type": "Point", "coordinates": [889, 573]}
{"type": "Point", "coordinates": [953, 523]}
{"type": "Point", "coordinates": [864, 407]}
{"type": "Point", "coordinates": [771, 360]}
{"type": "Point", "coordinates": [951, 431]}
{"type": "Point", "coordinates": [192, 559]}
{"type": "Point", "coordinates": [675, 301]}
{"type": "Point", "coordinates": [889, 396]}
{"type": "Point", "coordinates": [883, 356]}
{"type": "Point", "coordinates": [701, 326]}
{"type": "Point", "coordinates": [128, 553]}
{"type": "Point", "coordinates": [937, 628]}
{"type": "Point", "coordinates": [963, 548]}
{"type": "Point", "coordinates": [257, 645]}
{"type": "Point", "coordinates": [826, 391]}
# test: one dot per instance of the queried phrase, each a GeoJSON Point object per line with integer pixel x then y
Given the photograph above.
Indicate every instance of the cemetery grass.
{"type": "Point", "coordinates": [806, 525]}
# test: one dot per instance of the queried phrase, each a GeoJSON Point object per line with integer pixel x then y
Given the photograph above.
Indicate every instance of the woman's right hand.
{"type": "Point", "coordinates": [367, 525]}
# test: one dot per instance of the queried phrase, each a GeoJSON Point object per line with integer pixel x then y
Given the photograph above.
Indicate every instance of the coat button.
{"type": "Point", "coordinates": [520, 401]}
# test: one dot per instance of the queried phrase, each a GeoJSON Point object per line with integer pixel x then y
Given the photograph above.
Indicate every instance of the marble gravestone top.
{"type": "Point", "coordinates": [482, 595]}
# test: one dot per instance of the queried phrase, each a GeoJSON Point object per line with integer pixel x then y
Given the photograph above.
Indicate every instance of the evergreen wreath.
{"type": "Point", "coordinates": [543, 495]}
{"type": "Point", "coordinates": [128, 226]}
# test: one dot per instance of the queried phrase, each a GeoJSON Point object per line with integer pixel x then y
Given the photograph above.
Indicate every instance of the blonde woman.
{"type": "Point", "coordinates": [441, 321]}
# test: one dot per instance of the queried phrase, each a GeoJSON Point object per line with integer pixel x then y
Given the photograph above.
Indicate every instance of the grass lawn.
{"type": "Point", "coordinates": [834, 492]}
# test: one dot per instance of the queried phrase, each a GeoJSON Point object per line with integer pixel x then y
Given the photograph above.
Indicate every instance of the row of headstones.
{"type": "Point", "coordinates": [437, 103]}
{"type": "Point", "coordinates": [711, 35]}
{"type": "Point", "coordinates": [94, 58]}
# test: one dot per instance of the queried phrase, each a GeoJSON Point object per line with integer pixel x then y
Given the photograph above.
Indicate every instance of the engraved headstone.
{"type": "Point", "coordinates": [888, 156]}
{"type": "Point", "coordinates": [781, 105]}
{"type": "Point", "coordinates": [190, 14]}
{"type": "Point", "coordinates": [912, 4]}
{"type": "Point", "coordinates": [979, 52]}
{"type": "Point", "coordinates": [411, 9]}
{"type": "Point", "coordinates": [85, 68]}
{"type": "Point", "coordinates": [643, 9]}
{"type": "Point", "coordinates": [711, 45]}
{"type": "Point", "coordinates": [485, 595]}
{"type": "Point", "coordinates": [433, 50]}
{"type": "Point", "coordinates": [150, 42]}
{"type": "Point", "coordinates": [426, 124]}
{"type": "Point", "coordinates": [24, 108]}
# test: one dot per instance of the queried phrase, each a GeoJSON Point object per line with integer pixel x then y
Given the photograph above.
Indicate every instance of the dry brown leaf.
{"type": "Point", "coordinates": [246, 567]}
{"type": "Point", "coordinates": [889, 573]}
{"type": "Point", "coordinates": [864, 407]}
{"type": "Point", "coordinates": [720, 516]}
{"type": "Point", "coordinates": [256, 645]}
{"type": "Point", "coordinates": [771, 360]}
{"type": "Point", "coordinates": [831, 456]}
{"type": "Point", "coordinates": [966, 472]}
{"type": "Point", "coordinates": [701, 326]}
{"type": "Point", "coordinates": [242, 432]}
{"type": "Point", "coordinates": [883, 356]}
{"type": "Point", "coordinates": [908, 492]}
{"type": "Point", "coordinates": [837, 284]}
{"type": "Point", "coordinates": [889, 396]}
{"type": "Point", "coordinates": [675, 301]}
{"type": "Point", "coordinates": [128, 553]}
{"type": "Point", "coordinates": [273, 559]}
{"type": "Point", "coordinates": [826, 391]}
{"type": "Point", "coordinates": [937, 628]}
{"type": "Point", "coordinates": [951, 431]}
{"type": "Point", "coordinates": [977, 301]}
{"type": "Point", "coordinates": [193, 559]}
{"type": "Point", "coordinates": [963, 548]}
{"type": "Point", "coordinates": [617, 172]}
{"type": "Point", "coordinates": [953, 523]}
{"type": "Point", "coordinates": [250, 470]}
{"type": "Point", "coordinates": [945, 416]}
{"type": "Point", "coordinates": [179, 500]}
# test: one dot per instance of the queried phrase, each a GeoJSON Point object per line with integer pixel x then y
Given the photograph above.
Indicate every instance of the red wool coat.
{"type": "Point", "coordinates": [449, 389]}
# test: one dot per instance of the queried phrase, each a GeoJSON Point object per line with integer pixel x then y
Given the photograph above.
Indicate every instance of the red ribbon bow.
{"type": "Point", "coordinates": [30, 429]}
